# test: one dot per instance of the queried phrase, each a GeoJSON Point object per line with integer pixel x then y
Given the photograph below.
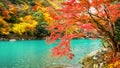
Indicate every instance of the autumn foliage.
{"type": "Point", "coordinates": [23, 18]}
{"type": "Point", "coordinates": [83, 18]}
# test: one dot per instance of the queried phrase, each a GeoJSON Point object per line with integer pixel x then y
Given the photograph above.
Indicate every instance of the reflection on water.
{"type": "Point", "coordinates": [36, 53]}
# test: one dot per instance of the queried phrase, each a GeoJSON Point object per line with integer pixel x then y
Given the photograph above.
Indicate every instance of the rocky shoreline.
{"type": "Point", "coordinates": [96, 59]}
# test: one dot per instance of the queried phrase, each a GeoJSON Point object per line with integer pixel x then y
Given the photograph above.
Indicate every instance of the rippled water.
{"type": "Point", "coordinates": [36, 53]}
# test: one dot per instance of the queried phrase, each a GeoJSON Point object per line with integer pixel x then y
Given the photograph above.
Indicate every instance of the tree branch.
{"type": "Point", "coordinates": [99, 17]}
{"type": "Point", "coordinates": [109, 21]}
{"type": "Point", "coordinates": [108, 33]}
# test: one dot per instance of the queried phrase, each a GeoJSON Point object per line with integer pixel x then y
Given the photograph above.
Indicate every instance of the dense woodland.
{"type": "Point", "coordinates": [21, 19]}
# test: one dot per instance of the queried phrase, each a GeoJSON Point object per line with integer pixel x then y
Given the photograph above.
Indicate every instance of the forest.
{"type": "Point", "coordinates": [64, 20]}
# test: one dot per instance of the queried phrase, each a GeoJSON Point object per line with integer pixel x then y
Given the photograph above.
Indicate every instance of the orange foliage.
{"type": "Point", "coordinates": [12, 9]}
{"type": "Point", "coordinates": [91, 18]}
{"type": "Point", "coordinates": [5, 28]}
{"type": "Point", "coordinates": [6, 13]}
{"type": "Point", "coordinates": [34, 8]}
{"type": "Point", "coordinates": [114, 63]}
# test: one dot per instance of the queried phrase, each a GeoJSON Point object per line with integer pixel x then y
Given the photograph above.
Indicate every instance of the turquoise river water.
{"type": "Point", "coordinates": [36, 53]}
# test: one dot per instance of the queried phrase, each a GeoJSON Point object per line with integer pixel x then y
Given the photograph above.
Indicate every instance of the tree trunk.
{"type": "Point", "coordinates": [115, 46]}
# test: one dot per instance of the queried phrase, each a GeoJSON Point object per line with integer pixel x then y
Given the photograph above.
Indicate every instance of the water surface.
{"type": "Point", "coordinates": [36, 53]}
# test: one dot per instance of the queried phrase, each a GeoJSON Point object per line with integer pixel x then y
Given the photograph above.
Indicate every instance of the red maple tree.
{"type": "Point", "coordinates": [83, 18]}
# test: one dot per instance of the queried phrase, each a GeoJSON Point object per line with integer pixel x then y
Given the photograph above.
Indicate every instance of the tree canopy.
{"type": "Point", "coordinates": [83, 18]}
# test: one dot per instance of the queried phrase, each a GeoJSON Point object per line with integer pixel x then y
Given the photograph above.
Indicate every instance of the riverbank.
{"type": "Point", "coordinates": [101, 59]}
{"type": "Point", "coordinates": [21, 37]}
{"type": "Point", "coordinates": [29, 37]}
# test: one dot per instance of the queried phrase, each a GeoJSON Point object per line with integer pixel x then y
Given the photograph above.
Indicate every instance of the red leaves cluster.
{"type": "Point", "coordinates": [87, 27]}
{"type": "Point", "coordinates": [53, 13]}
{"type": "Point", "coordinates": [6, 13]}
{"type": "Point", "coordinates": [97, 3]}
{"type": "Point", "coordinates": [114, 12]}
{"type": "Point", "coordinates": [53, 37]}
{"type": "Point", "coordinates": [63, 49]}
{"type": "Point", "coordinates": [35, 7]}
{"type": "Point", "coordinates": [77, 14]}
{"type": "Point", "coordinates": [113, 60]}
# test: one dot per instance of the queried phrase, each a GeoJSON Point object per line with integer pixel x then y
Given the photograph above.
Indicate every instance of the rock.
{"type": "Point", "coordinates": [23, 39]}
{"type": "Point", "coordinates": [95, 66]}
{"type": "Point", "coordinates": [104, 49]}
{"type": "Point", "coordinates": [95, 58]}
{"type": "Point", "coordinates": [93, 53]}
{"type": "Point", "coordinates": [12, 40]}
{"type": "Point", "coordinates": [101, 65]}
